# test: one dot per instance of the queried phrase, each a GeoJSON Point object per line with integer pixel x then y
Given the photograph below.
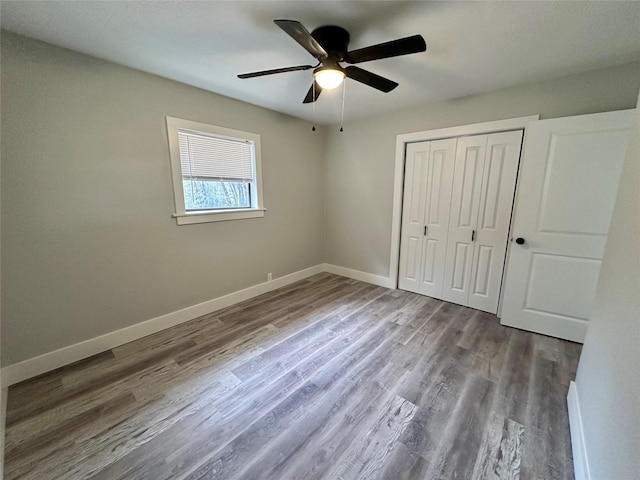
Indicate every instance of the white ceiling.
{"type": "Point", "coordinates": [472, 47]}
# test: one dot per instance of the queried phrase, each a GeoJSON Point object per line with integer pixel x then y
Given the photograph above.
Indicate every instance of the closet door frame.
{"type": "Point", "coordinates": [402, 140]}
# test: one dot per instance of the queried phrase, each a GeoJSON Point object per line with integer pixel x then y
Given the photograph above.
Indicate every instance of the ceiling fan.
{"type": "Point", "coordinates": [328, 45]}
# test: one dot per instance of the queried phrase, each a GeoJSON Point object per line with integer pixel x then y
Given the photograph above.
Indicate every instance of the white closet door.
{"type": "Point", "coordinates": [465, 201]}
{"type": "Point", "coordinates": [570, 174]}
{"type": "Point", "coordinates": [438, 203]}
{"type": "Point", "coordinates": [425, 215]}
{"type": "Point", "coordinates": [492, 228]}
{"type": "Point", "coordinates": [413, 208]}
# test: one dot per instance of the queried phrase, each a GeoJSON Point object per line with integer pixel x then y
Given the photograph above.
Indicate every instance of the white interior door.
{"type": "Point", "coordinates": [425, 219]}
{"type": "Point", "coordinates": [568, 182]}
{"type": "Point", "coordinates": [413, 208]}
{"type": "Point", "coordinates": [465, 201]}
{"type": "Point", "coordinates": [494, 215]}
{"type": "Point", "coordinates": [438, 203]}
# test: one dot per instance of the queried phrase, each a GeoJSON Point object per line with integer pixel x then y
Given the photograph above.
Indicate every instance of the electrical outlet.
{"type": "Point", "coordinates": [269, 276]}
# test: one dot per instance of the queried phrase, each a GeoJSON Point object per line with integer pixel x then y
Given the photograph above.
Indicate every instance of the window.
{"type": "Point", "coordinates": [216, 172]}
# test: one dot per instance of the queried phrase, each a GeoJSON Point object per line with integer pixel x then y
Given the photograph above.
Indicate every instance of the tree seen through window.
{"type": "Point", "coordinates": [212, 195]}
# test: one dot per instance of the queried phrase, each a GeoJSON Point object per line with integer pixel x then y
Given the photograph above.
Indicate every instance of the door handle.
{"type": "Point", "coordinates": [520, 241]}
{"type": "Point", "coordinates": [473, 235]}
{"type": "Point", "coordinates": [425, 230]}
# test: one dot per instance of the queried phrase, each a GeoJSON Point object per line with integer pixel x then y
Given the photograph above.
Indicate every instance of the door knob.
{"type": "Point", "coordinates": [520, 241]}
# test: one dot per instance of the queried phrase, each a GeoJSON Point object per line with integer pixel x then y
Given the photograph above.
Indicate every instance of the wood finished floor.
{"type": "Point", "coordinates": [328, 378]}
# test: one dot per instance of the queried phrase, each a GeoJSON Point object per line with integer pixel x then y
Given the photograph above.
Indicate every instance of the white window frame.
{"type": "Point", "coordinates": [186, 218]}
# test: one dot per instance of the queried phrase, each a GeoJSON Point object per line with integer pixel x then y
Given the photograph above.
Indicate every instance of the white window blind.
{"type": "Point", "coordinates": [215, 157]}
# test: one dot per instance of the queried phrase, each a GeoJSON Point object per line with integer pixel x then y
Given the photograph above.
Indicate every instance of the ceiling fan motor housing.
{"type": "Point", "coordinates": [334, 39]}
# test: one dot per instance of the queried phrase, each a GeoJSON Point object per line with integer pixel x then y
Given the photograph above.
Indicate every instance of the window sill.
{"type": "Point", "coordinates": [217, 215]}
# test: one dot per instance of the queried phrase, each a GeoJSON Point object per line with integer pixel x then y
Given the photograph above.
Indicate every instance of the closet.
{"type": "Point", "coordinates": [457, 201]}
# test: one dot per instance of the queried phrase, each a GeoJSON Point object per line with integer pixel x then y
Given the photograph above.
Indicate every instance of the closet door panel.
{"type": "Point", "coordinates": [492, 230]}
{"type": "Point", "coordinates": [437, 207]}
{"type": "Point", "coordinates": [413, 213]}
{"type": "Point", "coordinates": [465, 200]}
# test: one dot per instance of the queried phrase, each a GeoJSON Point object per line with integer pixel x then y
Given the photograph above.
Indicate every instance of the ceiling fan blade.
{"type": "Point", "coordinates": [275, 70]}
{"type": "Point", "coordinates": [371, 79]}
{"type": "Point", "coordinates": [310, 97]}
{"type": "Point", "coordinates": [402, 46]}
{"type": "Point", "coordinates": [300, 34]}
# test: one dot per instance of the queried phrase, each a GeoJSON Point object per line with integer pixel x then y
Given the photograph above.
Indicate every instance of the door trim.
{"type": "Point", "coordinates": [517, 123]}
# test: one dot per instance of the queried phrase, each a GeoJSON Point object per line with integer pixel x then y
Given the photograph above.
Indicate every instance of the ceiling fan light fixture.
{"type": "Point", "coordinates": [328, 78]}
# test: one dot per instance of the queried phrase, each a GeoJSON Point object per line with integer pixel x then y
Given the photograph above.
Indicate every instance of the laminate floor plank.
{"type": "Point", "coordinates": [418, 339]}
{"type": "Point", "coordinates": [368, 454]}
{"type": "Point", "coordinates": [125, 431]}
{"type": "Point", "coordinates": [42, 420]}
{"type": "Point", "coordinates": [262, 395]}
{"type": "Point", "coordinates": [437, 404]}
{"type": "Point", "coordinates": [442, 353]}
{"type": "Point", "coordinates": [546, 445]}
{"type": "Point", "coordinates": [339, 325]}
{"type": "Point", "coordinates": [486, 340]}
{"type": "Point", "coordinates": [300, 293]}
{"type": "Point", "coordinates": [421, 324]}
{"type": "Point", "coordinates": [358, 405]}
{"type": "Point", "coordinates": [267, 428]}
{"type": "Point", "coordinates": [513, 386]}
{"type": "Point", "coordinates": [373, 379]}
{"type": "Point", "coordinates": [307, 309]}
{"type": "Point", "coordinates": [318, 327]}
{"type": "Point", "coordinates": [52, 435]}
{"type": "Point", "coordinates": [44, 385]}
{"type": "Point", "coordinates": [199, 328]}
{"type": "Point", "coordinates": [407, 312]}
{"type": "Point", "coordinates": [500, 454]}
{"type": "Point", "coordinates": [461, 317]}
{"type": "Point", "coordinates": [404, 464]}
{"type": "Point", "coordinates": [462, 437]}
{"type": "Point", "coordinates": [327, 378]}
{"type": "Point", "coordinates": [111, 375]}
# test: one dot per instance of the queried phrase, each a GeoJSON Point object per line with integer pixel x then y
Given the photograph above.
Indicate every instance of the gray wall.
{"type": "Point", "coordinates": [88, 242]}
{"type": "Point", "coordinates": [359, 163]}
{"type": "Point", "coordinates": [608, 380]}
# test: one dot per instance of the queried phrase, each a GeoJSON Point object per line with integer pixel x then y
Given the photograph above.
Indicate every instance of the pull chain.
{"type": "Point", "coordinates": [344, 89]}
{"type": "Point", "coordinates": [313, 106]}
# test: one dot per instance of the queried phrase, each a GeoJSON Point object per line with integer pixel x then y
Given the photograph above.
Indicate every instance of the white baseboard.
{"type": "Point", "coordinates": [358, 275]}
{"type": "Point", "coordinates": [64, 356]}
{"type": "Point", "coordinates": [33, 367]}
{"type": "Point", "coordinates": [580, 463]}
